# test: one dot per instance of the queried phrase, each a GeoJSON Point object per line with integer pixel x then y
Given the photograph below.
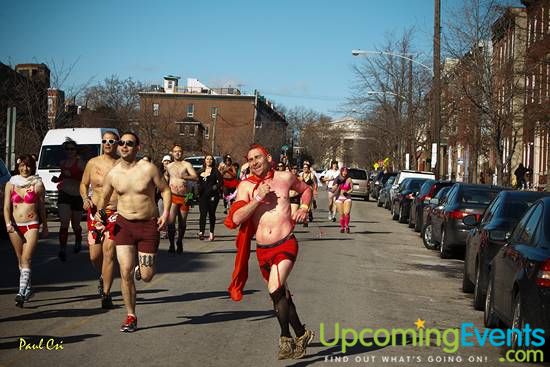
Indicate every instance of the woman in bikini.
{"type": "Point", "coordinates": [24, 211]}
{"type": "Point", "coordinates": [309, 179]}
{"type": "Point", "coordinates": [343, 186]}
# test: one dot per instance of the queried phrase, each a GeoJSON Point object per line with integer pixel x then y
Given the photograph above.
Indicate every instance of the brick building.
{"type": "Point", "coordinates": [537, 91]}
{"type": "Point", "coordinates": [218, 120]}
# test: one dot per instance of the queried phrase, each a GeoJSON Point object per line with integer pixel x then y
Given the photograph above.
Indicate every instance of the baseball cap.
{"type": "Point", "coordinates": [167, 158]}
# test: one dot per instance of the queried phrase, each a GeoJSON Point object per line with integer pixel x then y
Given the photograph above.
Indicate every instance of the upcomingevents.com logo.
{"type": "Point", "coordinates": [523, 345]}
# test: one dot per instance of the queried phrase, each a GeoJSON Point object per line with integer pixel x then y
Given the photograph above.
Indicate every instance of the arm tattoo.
{"type": "Point", "coordinates": [146, 260]}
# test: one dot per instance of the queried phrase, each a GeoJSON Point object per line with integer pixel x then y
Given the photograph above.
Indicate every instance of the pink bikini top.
{"type": "Point", "coordinates": [345, 186]}
{"type": "Point", "coordinates": [30, 197]}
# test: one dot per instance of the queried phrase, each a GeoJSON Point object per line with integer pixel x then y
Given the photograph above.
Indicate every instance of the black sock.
{"type": "Point", "coordinates": [297, 325]}
{"type": "Point", "coordinates": [171, 234]}
{"type": "Point", "coordinates": [280, 304]}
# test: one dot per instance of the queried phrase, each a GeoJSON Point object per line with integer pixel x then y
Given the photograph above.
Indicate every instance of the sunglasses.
{"type": "Point", "coordinates": [127, 143]}
{"type": "Point", "coordinates": [109, 141]}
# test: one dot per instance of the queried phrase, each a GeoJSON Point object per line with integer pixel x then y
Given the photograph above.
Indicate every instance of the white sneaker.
{"type": "Point", "coordinates": [137, 273]}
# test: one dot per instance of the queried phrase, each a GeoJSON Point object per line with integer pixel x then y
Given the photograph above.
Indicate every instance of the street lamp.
{"type": "Point", "coordinates": [358, 52]}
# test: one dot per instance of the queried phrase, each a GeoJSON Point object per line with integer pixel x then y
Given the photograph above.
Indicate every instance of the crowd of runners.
{"type": "Point", "coordinates": [130, 202]}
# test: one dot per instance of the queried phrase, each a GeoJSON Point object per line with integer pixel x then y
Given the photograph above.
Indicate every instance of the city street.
{"type": "Point", "coordinates": [378, 276]}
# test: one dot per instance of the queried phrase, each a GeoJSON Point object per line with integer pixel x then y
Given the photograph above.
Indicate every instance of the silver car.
{"type": "Point", "coordinates": [360, 182]}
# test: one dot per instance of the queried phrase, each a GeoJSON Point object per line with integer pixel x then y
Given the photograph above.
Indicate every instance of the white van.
{"type": "Point", "coordinates": [51, 153]}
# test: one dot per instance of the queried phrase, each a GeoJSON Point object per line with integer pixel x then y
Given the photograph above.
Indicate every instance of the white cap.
{"type": "Point", "coordinates": [167, 158]}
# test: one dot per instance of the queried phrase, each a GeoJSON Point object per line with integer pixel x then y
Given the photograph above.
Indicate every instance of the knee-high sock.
{"type": "Point", "coordinates": [280, 304]}
{"type": "Point", "coordinates": [347, 220]}
{"type": "Point", "coordinates": [77, 235]}
{"type": "Point", "coordinates": [343, 221]}
{"type": "Point", "coordinates": [63, 236]}
{"type": "Point", "coordinates": [293, 318]}
{"type": "Point", "coordinates": [181, 232]}
{"type": "Point", "coordinates": [24, 280]}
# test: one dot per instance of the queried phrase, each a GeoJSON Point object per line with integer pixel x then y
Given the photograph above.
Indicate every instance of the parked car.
{"type": "Point", "coordinates": [378, 182]}
{"type": "Point", "coordinates": [428, 190]}
{"type": "Point", "coordinates": [401, 175]}
{"type": "Point", "coordinates": [360, 180]}
{"type": "Point", "coordinates": [384, 193]}
{"type": "Point", "coordinates": [518, 292]}
{"type": "Point", "coordinates": [402, 201]}
{"type": "Point", "coordinates": [488, 236]}
{"type": "Point", "coordinates": [448, 229]}
{"type": "Point", "coordinates": [4, 178]}
{"type": "Point", "coordinates": [426, 230]}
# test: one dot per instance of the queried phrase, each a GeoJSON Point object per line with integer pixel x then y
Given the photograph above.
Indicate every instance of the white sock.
{"type": "Point", "coordinates": [24, 280]}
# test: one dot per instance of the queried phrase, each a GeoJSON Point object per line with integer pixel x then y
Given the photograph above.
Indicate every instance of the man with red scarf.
{"type": "Point", "coordinates": [262, 208]}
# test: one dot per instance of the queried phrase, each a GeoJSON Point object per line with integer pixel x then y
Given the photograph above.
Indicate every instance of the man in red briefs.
{"type": "Point", "coordinates": [262, 207]}
{"type": "Point", "coordinates": [100, 241]}
{"type": "Point", "coordinates": [138, 222]}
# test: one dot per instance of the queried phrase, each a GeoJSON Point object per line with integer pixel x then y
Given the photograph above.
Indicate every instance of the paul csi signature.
{"type": "Point", "coordinates": [40, 344]}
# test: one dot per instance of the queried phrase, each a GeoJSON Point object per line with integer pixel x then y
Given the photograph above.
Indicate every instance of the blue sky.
{"type": "Point", "coordinates": [297, 53]}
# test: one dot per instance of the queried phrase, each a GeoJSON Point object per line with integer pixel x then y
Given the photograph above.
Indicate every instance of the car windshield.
{"type": "Point", "coordinates": [390, 181]}
{"type": "Point", "coordinates": [357, 174]}
{"type": "Point", "coordinates": [195, 161]}
{"type": "Point", "coordinates": [477, 196]}
{"type": "Point", "coordinates": [514, 209]}
{"type": "Point", "coordinates": [52, 155]}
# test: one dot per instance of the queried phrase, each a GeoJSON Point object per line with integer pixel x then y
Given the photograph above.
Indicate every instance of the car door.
{"type": "Point", "coordinates": [478, 235]}
{"type": "Point", "coordinates": [438, 214]}
{"type": "Point", "coordinates": [510, 260]}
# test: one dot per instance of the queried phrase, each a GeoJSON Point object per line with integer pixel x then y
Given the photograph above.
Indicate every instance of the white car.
{"type": "Point", "coordinates": [407, 174]}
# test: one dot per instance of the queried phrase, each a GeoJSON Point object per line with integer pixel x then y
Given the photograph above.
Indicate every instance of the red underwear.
{"type": "Point", "coordinates": [269, 255]}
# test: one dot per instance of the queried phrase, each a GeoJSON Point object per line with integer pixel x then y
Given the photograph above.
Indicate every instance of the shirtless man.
{"type": "Point", "coordinates": [100, 243]}
{"type": "Point", "coordinates": [268, 207]}
{"type": "Point", "coordinates": [138, 223]}
{"type": "Point", "coordinates": [178, 173]}
{"type": "Point", "coordinates": [328, 177]}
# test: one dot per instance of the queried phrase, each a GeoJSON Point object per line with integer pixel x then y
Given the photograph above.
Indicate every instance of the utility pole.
{"type": "Point", "coordinates": [411, 141]}
{"type": "Point", "coordinates": [436, 128]}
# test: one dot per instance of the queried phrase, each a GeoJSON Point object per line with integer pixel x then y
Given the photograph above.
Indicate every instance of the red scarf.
{"type": "Point", "coordinates": [242, 242]}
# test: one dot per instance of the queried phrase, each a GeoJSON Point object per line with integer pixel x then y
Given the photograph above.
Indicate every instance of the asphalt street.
{"type": "Point", "coordinates": [379, 276]}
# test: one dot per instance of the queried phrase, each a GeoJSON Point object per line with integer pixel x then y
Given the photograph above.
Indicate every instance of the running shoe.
{"type": "Point", "coordinates": [347, 230]}
{"type": "Point", "coordinates": [329, 216]}
{"type": "Point", "coordinates": [286, 348]}
{"type": "Point", "coordinates": [333, 218]}
{"type": "Point", "coordinates": [302, 343]}
{"type": "Point", "coordinates": [107, 302]}
{"type": "Point", "coordinates": [28, 294]}
{"type": "Point", "coordinates": [137, 273]}
{"type": "Point", "coordinates": [342, 230]}
{"type": "Point", "coordinates": [19, 300]}
{"type": "Point", "coordinates": [100, 286]}
{"type": "Point", "coordinates": [211, 237]}
{"type": "Point", "coordinates": [129, 325]}
{"type": "Point", "coordinates": [171, 250]}
{"type": "Point", "coordinates": [77, 247]}
{"type": "Point", "coordinates": [201, 236]}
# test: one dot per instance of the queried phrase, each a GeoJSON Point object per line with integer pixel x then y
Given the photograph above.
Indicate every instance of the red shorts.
{"type": "Point", "coordinates": [231, 183]}
{"type": "Point", "coordinates": [180, 200]}
{"type": "Point", "coordinates": [24, 228]}
{"type": "Point", "coordinates": [143, 234]}
{"type": "Point", "coordinates": [109, 226]}
{"type": "Point", "coordinates": [269, 255]}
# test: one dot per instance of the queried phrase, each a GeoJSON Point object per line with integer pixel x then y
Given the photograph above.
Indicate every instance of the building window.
{"type": "Point", "coordinates": [156, 109]}
{"type": "Point", "coordinates": [258, 124]}
{"type": "Point", "coordinates": [206, 132]}
{"type": "Point", "coordinates": [190, 110]}
{"type": "Point", "coordinates": [170, 84]}
{"type": "Point", "coordinates": [193, 130]}
{"type": "Point", "coordinates": [213, 112]}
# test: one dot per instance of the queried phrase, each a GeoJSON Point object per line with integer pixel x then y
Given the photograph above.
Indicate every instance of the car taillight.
{"type": "Point", "coordinates": [543, 276]}
{"type": "Point", "coordinates": [457, 214]}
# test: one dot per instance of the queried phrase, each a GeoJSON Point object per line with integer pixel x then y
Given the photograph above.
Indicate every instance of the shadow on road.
{"type": "Point", "coordinates": [61, 313]}
{"type": "Point", "coordinates": [217, 317]}
{"type": "Point", "coordinates": [35, 339]}
{"type": "Point", "coordinates": [452, 271]}
{"type": "Point", "coordinates": [187, 297]}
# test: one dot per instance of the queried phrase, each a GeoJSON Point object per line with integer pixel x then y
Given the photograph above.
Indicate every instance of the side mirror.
{"type": "Point", "coordinates": [470, 220]}
{"type": "Point", "coordinates": [434, 201]}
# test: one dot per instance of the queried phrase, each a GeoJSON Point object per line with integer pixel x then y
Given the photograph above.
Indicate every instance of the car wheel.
{"type": "Point", "coordinates": [366, 198]}
{"type": "Point", "coordinates": [409, 220]}
{"type": "Point", "coordinates": [490, 318]}
{"type": "Point", "coordinates": [417, 223]}
{"type": "Point", "coordinates": [401, 216]}
{"type": "Point", "coordinates": [394, 214]}
{"type": "Point", "coordinates": [444, 251]}
{"type": "Point", "coordinates": [479, 296]}
{"type": "Point", "coordinates": [467, 285]}
{"type": "Point", "coordinates": [378, 202]}
{"type": "Point", "coordinates": [518, 323]}
{"type": "Point", "coordinates": [386, 204]}
{"type": "Point", "coordinates": [427, 237]}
